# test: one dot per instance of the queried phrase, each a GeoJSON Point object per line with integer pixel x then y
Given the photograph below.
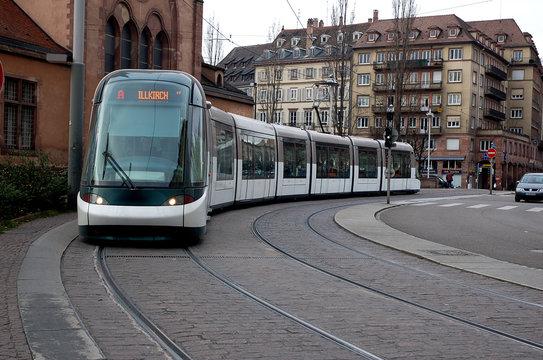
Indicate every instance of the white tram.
{"type": "Point", "coordinates": [159, 159]}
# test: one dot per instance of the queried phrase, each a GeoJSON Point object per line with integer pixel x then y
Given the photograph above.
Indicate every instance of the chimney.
{"type": "Point", "coordinates": [370, 20]}
{"type": "Point", "coordinates": [321, 23]}
{"type": "Point", "coordinates": [341, 20]}
{"type": "Point", "coordinates": [375, 15]}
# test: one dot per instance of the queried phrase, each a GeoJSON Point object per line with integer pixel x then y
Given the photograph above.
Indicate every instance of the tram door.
{"type": "Point", "coordinates": [223, 166]}
{"type": "Point", "coordinates": [257, 167]}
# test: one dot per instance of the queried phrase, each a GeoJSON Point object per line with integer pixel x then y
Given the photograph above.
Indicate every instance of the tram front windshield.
{"type": "Point", "coordinates": [140, 135]}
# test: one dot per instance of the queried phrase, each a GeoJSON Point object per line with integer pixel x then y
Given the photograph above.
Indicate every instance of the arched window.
{"type": "Point", "coordinates": [126, 47]}
{"type": "Point", "coordinates": [158, 52]}
{"type": "Point", "coordinates": [144, 49]}
{"type": "Point", "coordinates": [111, 35]}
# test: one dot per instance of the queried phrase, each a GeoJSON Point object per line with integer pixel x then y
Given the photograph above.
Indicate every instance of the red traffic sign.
{"type": "Point", "coordinates": [491, 152]}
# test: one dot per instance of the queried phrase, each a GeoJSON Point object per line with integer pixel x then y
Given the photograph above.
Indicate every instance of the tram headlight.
{"type": "Point", "coordinates": [178, 200]}
{"type": "Point", "coordinates": [94, 199]}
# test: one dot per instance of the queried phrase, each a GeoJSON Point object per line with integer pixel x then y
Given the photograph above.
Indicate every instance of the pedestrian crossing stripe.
{"type": "Point", "coordinates": [478, 206]}
{"type": "Point", "coordinates": [451, 205]}
{"type": "Point", "coordinates": [536, 209]}
{"type": "Point", "coordinates": [507, 207]}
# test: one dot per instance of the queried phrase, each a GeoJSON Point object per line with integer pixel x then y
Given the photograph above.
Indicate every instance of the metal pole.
{"type": "Point", "coordinates": [491, 174]}
{"type": "Point", "coordinates": [428, 160]}
{"type": "Point", "coordinates": [77, 94]}
{"type": "Point", "coordinates": [389, 170]}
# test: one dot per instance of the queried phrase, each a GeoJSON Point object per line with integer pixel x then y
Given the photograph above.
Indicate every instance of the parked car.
{"type": "Point", "coordinates": [440, 181]}
{"type": "Point", "coordinates": [530, 187]}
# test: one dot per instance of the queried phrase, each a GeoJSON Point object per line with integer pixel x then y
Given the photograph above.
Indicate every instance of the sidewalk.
{"type": "Point", "coordinates": [362, 221]}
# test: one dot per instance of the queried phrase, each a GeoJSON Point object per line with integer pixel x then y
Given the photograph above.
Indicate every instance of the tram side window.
{"type": "Point", "coordinates": [295, 159]}
{"type": "Point", "coordinates": [224, 145]}
{"type": "Point", "coordinates": [367, 164]}
{"type": "Point", "coordinates": [197, 155]}
{"type": "Point", "coordinates": [401, 163]}
{"type": "Point", "coordinates": [332, 161]}
{"type": "Point", "coordinates": [258, 157]}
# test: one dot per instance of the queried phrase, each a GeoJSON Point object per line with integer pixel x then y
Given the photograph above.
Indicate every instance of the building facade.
{"type": "Point", "coordinates": [466, 87]}
{"type": "Point", "coordinates": [153, 34]}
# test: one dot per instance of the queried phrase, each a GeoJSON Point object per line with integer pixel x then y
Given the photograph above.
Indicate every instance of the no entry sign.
{"type": "Point", "coordinates": [491, 152]}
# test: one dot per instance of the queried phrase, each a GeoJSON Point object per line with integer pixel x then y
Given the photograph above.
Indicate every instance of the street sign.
{"type": "Point", "coordinates": [491, 152]}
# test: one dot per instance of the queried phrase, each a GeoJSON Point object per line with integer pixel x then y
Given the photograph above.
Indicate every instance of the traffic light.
{"type": "Point", "coordinates": [389, 142]}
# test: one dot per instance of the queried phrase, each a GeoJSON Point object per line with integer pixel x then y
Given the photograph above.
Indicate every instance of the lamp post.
{"type": "Point", "coordinates": [429, 126]}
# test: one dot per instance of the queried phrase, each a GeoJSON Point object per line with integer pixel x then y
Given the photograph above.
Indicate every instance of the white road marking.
{"type": "Point", "coordinates": [478, 206]}
{"type": "Point", "coordinates": [536, 209]}
{"type": "Point", "coordinates": [451, 205]}
{"type": "Point", "coordinates": [509, 207]}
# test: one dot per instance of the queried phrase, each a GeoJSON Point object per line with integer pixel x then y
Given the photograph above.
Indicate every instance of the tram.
{"type": "Point", "coordinates": [159, 159]}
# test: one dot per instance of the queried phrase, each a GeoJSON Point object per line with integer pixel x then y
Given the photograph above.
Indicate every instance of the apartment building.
{"type": "Point", "coordinates": [467, 86]}
{"type": "Point", "coordinates": [296, 74]}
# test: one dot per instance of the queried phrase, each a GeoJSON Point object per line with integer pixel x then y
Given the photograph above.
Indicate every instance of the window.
{"type": "Point", "coordinates": [453, 121]}
{"type": "Point", "coordinates": [485, 145]}
{"type": "Point", "coordinates": [340, 37]}
{"type": "Point", "coordinates": [333, 161]}
{"type": "Point", "coordinates": [378, 122]}
{"type": "Point", "coordinates": [517, 55]}
{"type": "Point", "coordinates": [309, 73]}
{"type": "Point", "coordinates": [295, 159]}
{"type": "Point", "coordinates": [262, 116]}
{"type": "Point", "coordinates": [517, 94]}
{"type": "Point", "coordinates": [454, 99]}
{"type": "Point", "coordinates": [324, 117]}
{"type": "Point", "coordinates": [433, 33]}
{"type": "Point", "coordinates": [19, 114]}
{"type": "Point", "coordinates": [436, 121]}
{"type": "Point", "coordinates": [367, 163]}
{"type": "Point", "coordinates": [379, 79]}
{"type": "Point", "coordinates": [158, 51]}
{"type": "Point", "coordinates": [390, 36]}
{"type": "Point", "coordinates": [453, 32]}
{"type": "Point", "coordinates": [144, 50]}
{"type": "Point", "coordinates": [111, 40]}
{"type": "Point", "coordinates": [293, 95]}
{"type": "Point", "coordinates": [308, 94]}
{"type": "Point", "coordinates": [426, 54]}
{"type": "Point", "coordinates": [453, 144]}
{"type": "Point", "coordinates": [438, 54]}
{"type": "Point", "coordinates": [473, 100]}
{"type": "Point", "coordinates": [455, 54]}
{"type": "Point", "coordinates": [258, 156]}
{"type": "Point", "coordinates": [363, 79]}
{"type": "Point", "coordinates": [516, 130]}
{"type": "Point", "coordinates": [292, 115]}
{"type": "Point", "coordinates": [436, 78]}
{"type": "Point", "coordinates": [412, 122]}
{"type": "Point", "coordinates": [401, 163]}
{"type": "Point", "coordinates": [516, 113]}
{"type": "Point", "coordinates": [126, 47]}
{"type": "Point", "coordinates": [308, 117]}
{"type": "Point", "coordinates": [364, 58]}
{"type": "Point", "coordinates": [362, 122]}
{"type": "Point", "coordinates": [278, 74]}
{"type": "Point", "coordinates": [371, 37]}
{"type": "Point", "coordinates": [501, 38]}
{"type": "Point", "coordinates": [294, 74]}
{"type": "Point", "coordinates": [324, 38]}
{"type": "Point", "coordinates": [224, 140]}
{"type": "Point", "coordinates": [414, 78]}
{"type": "Point", "coordinates": [380, 58]}
{"type": "Point", "coordinates": [363, 101]}
{"type": "Point", "coordinates": [517, 75]}
{"type": "Point", "coordinates": [294, 41]}
{"type": "Point", "coordinates": [436, 99]}
{"type": "Point", "coordinates": [356, 35]}
{"type": "Point", "coordinates": [455, 76]}
{"type": "Point", "coordinates": [278, 117]}
{"type": "Point", "coordinates": [279, 94]}
{"type": "Point", "coordinates": [280, 42]}
{"type": "Point", "coordinates": [263, 95]}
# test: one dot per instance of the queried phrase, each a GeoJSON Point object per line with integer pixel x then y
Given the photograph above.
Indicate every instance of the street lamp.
{"type": "Point", "coordinates": [429, 125]}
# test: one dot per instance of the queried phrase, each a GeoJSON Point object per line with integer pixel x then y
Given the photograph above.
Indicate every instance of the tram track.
{"type": "Point", "coordinates": [388, 294]}
{"type": "Point", "coordinates": [146, 324]}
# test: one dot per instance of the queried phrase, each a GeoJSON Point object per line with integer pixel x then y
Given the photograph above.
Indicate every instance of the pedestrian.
{"type": "Point", "coordinates": [449, 179]}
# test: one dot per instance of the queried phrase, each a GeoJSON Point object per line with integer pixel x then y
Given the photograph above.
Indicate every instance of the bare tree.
{"type": "Point", "coordinates": [213, 43]}
{"type": "Point", "coordinates": [269, 77]}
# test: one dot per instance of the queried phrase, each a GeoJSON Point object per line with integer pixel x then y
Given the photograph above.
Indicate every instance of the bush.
{"type": "Point", "coordinates": [31, 186]}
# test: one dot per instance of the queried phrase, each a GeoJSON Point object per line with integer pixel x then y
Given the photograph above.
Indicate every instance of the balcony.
{"type": "Point", "coordinates": [494, 93]}
{"type": "Point", "coordinates": [380, 109]}
{"type": "Point", "coordinates": [494, 114]}
{"type": "Point", "coordinates": [496, 72]}
{"type": "Point", "coordinates": [418, 86]}
{"type": "Point", "coordinates": [409, 64]}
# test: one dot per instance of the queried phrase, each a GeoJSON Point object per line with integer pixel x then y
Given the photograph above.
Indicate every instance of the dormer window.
{"type": "Point", "coordinates": [390, 36]}
{"type": "Point", "coordinates": [280, 42]}
{"type": "Point", "coordinates": [297, 53]}
{"type": "Point", "coordinates": [312, 51]}
{"type": "Point", "coordinates": [371, 37]}
{"type": "Point", "coordinates": [324, 38]}
{"type": "Point", "coordinates": [501, 39]}
{"type": "Point", "coordinates": [453, 32]}
{"type": "Point", "coordinates": [294, 41]}
{"type": "Point", "coordinates": [356, 35]}
{"type": "Point", "coordinates": [433, 33]}
{"type": "Point", "coordinates": [411, 34]}
{"type": "Point", "coordinates": [340, 37]}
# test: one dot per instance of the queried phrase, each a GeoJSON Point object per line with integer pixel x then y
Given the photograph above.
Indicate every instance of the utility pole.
{"type": "Point", "coordinates": [77, 95]}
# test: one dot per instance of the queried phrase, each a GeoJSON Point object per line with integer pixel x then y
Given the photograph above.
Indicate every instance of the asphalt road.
{"type": "Point", "coordinates": [494, 226]}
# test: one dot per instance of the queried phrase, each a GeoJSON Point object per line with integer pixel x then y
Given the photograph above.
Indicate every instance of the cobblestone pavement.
{"type": "Point", "coordinates": [13, 247]}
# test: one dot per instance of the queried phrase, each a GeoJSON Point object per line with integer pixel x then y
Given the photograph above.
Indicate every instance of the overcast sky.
{"type": "Point", "coordinates": [247, 22]}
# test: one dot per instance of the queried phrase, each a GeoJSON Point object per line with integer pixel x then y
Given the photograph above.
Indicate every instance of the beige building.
{"type": "Point", "coordinates": [300, 68]}
{"type": "Point", "coordinates": [472, 86]}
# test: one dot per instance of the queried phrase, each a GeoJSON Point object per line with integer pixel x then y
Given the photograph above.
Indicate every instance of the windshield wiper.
{"type": "Point", "coordinates": [108, 157]}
